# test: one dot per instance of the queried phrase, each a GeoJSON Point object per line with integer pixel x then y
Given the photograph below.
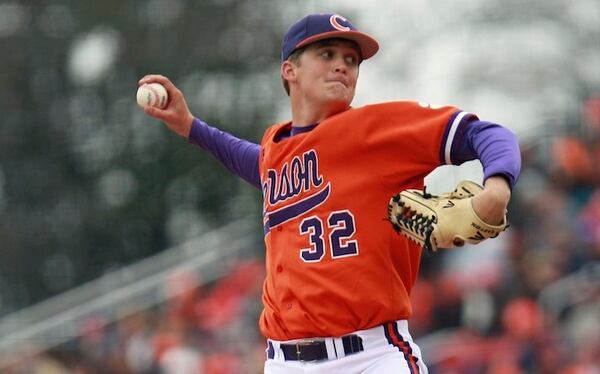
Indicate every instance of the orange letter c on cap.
{"type": "Point", "coordinates": [334, 22]}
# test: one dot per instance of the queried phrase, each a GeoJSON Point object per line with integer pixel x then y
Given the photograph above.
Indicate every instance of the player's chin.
{"type": "Point", "coordinates": [338, 106]}
{"type": "Point", "coordinates": [341, 98]}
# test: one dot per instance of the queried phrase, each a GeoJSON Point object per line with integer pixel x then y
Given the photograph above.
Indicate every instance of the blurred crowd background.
{"type": "Point", "coordinates": [90, 187]}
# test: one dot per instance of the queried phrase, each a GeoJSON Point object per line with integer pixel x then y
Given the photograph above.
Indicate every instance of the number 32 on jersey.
{"type": "Point", "coordinates": [340, 229]}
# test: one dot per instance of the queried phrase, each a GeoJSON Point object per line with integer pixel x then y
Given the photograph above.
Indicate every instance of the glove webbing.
{"type": "Point", "coordinates": [415, 222]}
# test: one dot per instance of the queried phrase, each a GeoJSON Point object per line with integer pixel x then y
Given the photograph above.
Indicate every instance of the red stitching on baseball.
{"type": "Point", "coordinates": [155, 92]}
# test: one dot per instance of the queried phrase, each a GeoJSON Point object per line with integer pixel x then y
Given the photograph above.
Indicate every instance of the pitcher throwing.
{"type": "Point", "coordinates": [337, 292]}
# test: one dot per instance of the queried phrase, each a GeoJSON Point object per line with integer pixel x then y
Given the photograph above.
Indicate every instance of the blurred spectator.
{"type": "Point", "coordinates": [591, 114]}
{"type": "Point", "coordinates": [182, 357]}
{"type": "Point", "coordinates": [138, 351]}
{"type": "Point", "coordinates": [573, 160]}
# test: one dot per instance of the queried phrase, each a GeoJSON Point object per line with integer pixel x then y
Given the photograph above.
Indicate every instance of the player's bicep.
{"type": "Point", "coordinates": [456, 146]}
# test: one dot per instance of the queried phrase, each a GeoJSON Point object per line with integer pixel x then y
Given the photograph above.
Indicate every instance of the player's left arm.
{"type": "Point", "coordinates": [498, 150]}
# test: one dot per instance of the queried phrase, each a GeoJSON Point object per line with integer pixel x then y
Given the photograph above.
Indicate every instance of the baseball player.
{"type": "Point", "coordinates": [336, 293]}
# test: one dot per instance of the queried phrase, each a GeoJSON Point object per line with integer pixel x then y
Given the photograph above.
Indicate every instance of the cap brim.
{"type": "Point", "coordinates": [368, 46]}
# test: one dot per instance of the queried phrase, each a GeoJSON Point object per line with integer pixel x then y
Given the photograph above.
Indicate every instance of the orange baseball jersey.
{"type": "Point", "coordinates": [334, 263]}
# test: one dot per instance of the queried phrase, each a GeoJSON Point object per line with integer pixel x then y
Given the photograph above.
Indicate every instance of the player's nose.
{"type": "Point", "coordinates": [339, 65]}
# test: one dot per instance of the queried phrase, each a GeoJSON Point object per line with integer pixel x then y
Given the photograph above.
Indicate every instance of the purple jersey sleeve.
{"type": "Point", "coordinates": [494, 145]}
{"type": "Point", "coordinates": [237, 155]}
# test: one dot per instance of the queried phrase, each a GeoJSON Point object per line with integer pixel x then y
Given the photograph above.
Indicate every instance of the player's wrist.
{"type": "Point", "coordinates": [186, 128]}
{"type": "Point", "coordinates": [497, 190]}
{"type": "Point", "coordinates": [490, 205]}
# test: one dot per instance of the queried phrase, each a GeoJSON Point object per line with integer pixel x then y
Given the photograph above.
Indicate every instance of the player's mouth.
{"type": "Point", "coordinates": [340, 81]}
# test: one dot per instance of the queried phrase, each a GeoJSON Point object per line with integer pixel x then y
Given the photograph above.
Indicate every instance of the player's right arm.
{"type": "Point", "coordinates": [237, 155]}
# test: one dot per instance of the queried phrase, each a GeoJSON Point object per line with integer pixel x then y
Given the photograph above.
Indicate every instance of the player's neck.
{"type": "Point", "coordinates": [307, 115]}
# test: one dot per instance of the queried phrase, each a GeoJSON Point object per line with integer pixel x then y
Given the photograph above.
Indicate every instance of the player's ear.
{"type": "Point", "coordinates": [288, 71]}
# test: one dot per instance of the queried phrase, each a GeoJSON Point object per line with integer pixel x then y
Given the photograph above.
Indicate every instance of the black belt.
{"type": "Point", "coordinates": [315, 349]}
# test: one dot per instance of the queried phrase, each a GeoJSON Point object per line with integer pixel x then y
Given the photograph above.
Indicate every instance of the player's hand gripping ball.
{"type": "Point", "coordinates": [152, 94]}
{"type": "Point", "coordinates": [443, 221]}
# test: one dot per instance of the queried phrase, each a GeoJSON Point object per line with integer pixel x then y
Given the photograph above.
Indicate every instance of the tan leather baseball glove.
{"type": "Point", "coordinates": [441, 221]}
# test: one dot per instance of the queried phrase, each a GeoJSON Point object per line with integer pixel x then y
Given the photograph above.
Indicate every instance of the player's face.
{"type": "Point", "coordinates": [327, 73]}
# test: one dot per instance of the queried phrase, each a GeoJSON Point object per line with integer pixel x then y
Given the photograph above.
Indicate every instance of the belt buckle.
{"type": "Point", "coordinates": [305, 342]}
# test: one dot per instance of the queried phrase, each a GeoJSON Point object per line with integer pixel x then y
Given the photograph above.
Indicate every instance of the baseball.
{"type": "Point", "coordinates": [152, 94]}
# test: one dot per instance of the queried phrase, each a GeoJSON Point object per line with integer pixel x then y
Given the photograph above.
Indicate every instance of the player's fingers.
{"type": "Point", "coordinates": [157, 78]}
{"type": "Point", "coordinates": [151, 78]}
{"type": "Point", "coordinates": [150, 111]}
{"type": "Point", "coordinates": [167, 115]}
{"type": "Point", "coordinates": [166, 82]}
{"type": "Point", "coordinates": [157, 113]}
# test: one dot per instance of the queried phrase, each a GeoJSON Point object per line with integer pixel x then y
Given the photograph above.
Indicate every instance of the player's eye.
{"type": "Point", "coordinates": [351, 60]}
{"type": "Point", "coordinates": [327, 53]}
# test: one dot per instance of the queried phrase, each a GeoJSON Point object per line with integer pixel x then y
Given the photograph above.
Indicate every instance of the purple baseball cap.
{"type": "Point", "coordinates": [316, 27]}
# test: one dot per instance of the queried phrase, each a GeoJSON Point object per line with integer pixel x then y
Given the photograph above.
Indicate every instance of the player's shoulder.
{"type": "Point", "coordinates": [399, 112]}
{"type": "Point", "coordinates": [405, 106]}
